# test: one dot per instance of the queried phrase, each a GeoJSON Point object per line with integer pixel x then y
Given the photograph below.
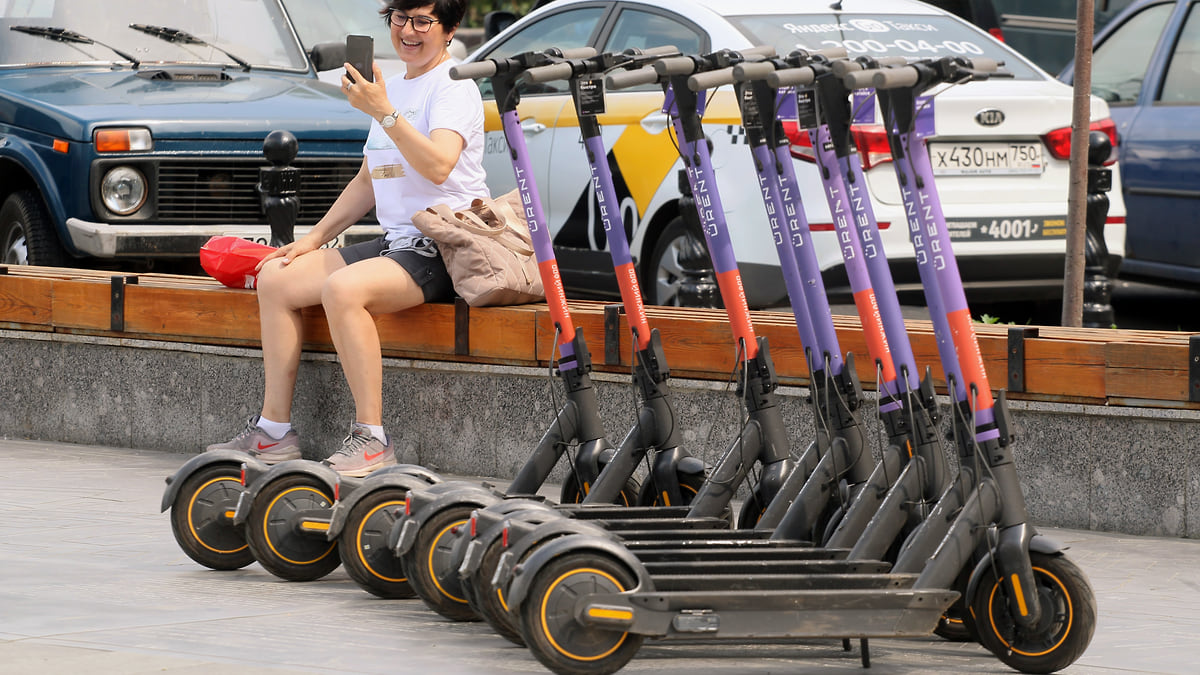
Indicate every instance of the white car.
{"type": "Point", "coordinates": [1008, 218]}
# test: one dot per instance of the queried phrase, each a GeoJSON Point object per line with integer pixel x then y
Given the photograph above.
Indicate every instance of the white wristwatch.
{"type": "Point", "coordinates": [389, 121]}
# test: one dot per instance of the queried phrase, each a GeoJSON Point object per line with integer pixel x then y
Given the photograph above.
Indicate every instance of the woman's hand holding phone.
{"type": "Point", "coordinates": [369, 96]}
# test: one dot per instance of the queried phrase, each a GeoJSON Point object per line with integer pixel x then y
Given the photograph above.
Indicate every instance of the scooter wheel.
{"type": "Point", "coordinates": [1062, 633]}
{"type": "Point", "coordinates": [549, 624]}
{"type": "Point", "coordinates": [430, 564]}
{"type": "Point", "coordinates": [953, 626]}
{"type": "Point", "coordinates": [571, 494]}
{"type": "Point", "coordinates": [956, 624]}
{"type": "Point", "coordinates": [362, 545]}
{"type": "Point", "coordinates": [490, 602]}
{"type": "Point", "coordinates": [202, 518]}
{"type": "Point", "coordinates": [689, 487]}
{"type": "Point", "coordinates": [273, 529]}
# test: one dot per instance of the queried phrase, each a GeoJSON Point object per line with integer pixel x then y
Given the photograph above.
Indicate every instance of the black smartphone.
{"type": "Point", "coordinates": [360, 53]}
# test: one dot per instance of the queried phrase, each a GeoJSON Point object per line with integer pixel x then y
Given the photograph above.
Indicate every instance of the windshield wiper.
{"type": "Point", "coordinates": [183, 37]}
{"type": "Point", "coordinates": [64, 35]}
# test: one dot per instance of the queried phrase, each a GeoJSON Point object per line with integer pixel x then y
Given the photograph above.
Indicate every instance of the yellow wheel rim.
{"type": "Point", "coordinates": [358, 543]}
{"type": "Point", "coordinates": [992, 600]}
{"type": "Point", "coordinates": [192, 524]}
{"type": "Point", "coordinates": [546, 627]}
{"type": "Point", "coordinates": [429, 561]}
{"type": "Point", "coordinates": [266, 530]}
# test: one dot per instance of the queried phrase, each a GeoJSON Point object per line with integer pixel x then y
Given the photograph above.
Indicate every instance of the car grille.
{"type": "Point", "coordinates": [222, 191]}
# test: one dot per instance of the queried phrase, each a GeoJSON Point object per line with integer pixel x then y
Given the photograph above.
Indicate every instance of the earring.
{"type": "Point", "coordinates": [448, 42]}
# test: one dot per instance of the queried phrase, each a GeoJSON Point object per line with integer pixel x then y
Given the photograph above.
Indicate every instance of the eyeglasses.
{"type": "Point", "coordinates": [421, 24]}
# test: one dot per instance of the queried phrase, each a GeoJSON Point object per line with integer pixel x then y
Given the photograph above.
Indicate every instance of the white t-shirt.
{"type": "Point", "coordinates": [430, 101]}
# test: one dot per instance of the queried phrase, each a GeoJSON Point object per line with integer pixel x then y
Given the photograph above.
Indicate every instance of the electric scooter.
{"type": "Point", "coordinates": [583, 601]}
{"type": "Point", "coordinates": [1028, 603]}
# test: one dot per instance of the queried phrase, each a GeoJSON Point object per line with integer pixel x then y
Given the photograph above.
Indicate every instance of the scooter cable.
{"type": "Point", "coordinates": [569, 449]}
{"type": "Point", "coordinates": [740, 374]}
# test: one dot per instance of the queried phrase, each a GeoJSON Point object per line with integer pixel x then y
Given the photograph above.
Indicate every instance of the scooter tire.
{"type": "Point", "coordinates": [549, 625]}
{"type": "Point", "coordinates": [571, 494]}
{"type": "Point", "coordinates": [201, 518]}
{"type": "Point", "coordinates": [429, 564]}
{"type": "Point", "coordinates": [278, 547]}
{"type": "Point", "coordinates": [956, 624]}
{"type": "Point", "coordinates": [1062, 633]}
{"type": "Point", "coordinates": [490, 602]}
{"type": "Point", "coordinates": [362, 545]}
{"type": "Point", "coordinates": [689, 487]}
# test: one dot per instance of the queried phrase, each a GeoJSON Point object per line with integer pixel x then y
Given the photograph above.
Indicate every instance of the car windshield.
{"type": "Point", "coordinates": [320, 21]}
{"type": "Point", "coordinates": [254, 31]}
{"type": "Point", "coordinates": [914, 37]}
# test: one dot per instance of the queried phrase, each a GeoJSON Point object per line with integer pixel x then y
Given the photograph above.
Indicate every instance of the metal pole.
{"type": "Point", "coordinates": [1072, 308]}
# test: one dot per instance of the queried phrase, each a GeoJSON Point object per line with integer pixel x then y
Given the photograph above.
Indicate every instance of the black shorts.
{"type": "Point", "coordinates": [429, 273]}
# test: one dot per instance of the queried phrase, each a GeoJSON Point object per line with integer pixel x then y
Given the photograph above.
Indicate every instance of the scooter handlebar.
{"type": "Point", "coordinates": [676, 65]}
{"type": "Point", "coordinates": [665, 50]}
{"type": "Point", "coordinates": [843, 67]}
{"type": "Point", "coordinates": [473, 71]}
{"type": "Point", "coordinates": [833, 53]}
{"type": "Point", "coordinates": [985, 65]}
{"type": "Point", "coordinates": [554, 71]}
{"type": "Point", "coordinates": [762, 51]}
{"type": "Point", "coordinates": [578, 53]}
{"type": "Point", "coordinates": [754, 70]}
{"type": "Point", "coordinates": [860, 79]}
{"type": "Point", "coordinates": [623, 79]}
{"type": "Point", "coordinates": [791, 77]}
{"type": "Point", "coordinates": [711, 79]}
{"type": "Point", "coordinates": [893, 78]}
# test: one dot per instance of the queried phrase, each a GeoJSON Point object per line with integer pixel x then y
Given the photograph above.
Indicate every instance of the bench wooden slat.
{"type": "Point", "coordinates": [505, 333]}
{"type": "Point", "coordinates": [82, 304]}
{"type": "Point", "coordinates": [25, 300]}
{"type": "Point", "coordinates": [197, 313]}
{"type": "Point", "coordinates": [1141, 371]}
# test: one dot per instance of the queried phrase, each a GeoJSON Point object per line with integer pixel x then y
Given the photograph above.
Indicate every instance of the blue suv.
{"type": "Point", "coordinates": [132, 132]}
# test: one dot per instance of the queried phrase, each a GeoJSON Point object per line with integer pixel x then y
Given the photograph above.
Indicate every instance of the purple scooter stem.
{"type": "Point", "coordinates": [543, 247]}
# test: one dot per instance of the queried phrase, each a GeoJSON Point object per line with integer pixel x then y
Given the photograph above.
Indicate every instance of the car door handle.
{"type": "Point", "coordinates": [655, 122]}
{"type": "Point", "coordinates": [532, 126]}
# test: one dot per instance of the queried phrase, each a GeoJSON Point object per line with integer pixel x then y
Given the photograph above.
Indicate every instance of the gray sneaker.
{"type": "Point", "coordinates": [257, 443]}
{"type": "Point", "coordinates": [361, 453]}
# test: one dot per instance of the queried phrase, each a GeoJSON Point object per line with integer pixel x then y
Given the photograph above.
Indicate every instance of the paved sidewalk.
{"type": "Point", "coordinates": [91, 581]}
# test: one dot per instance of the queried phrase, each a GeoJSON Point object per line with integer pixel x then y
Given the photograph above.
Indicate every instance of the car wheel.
{"type": "Point", "coordinates": [26, 235]}
{"type": "Point", "coordinates": [681, 272]}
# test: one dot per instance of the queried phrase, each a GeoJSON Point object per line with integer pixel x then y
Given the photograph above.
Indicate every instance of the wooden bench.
{"type": "Point", "coordinates": [1094, 366]}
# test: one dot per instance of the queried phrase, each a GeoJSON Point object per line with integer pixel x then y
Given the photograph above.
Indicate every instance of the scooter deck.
{"type": "Point", "coordinates": [769, 614]}
{"type": "Point", "coordinates": [794, 552]}
{"type": "Point", "coordinates": [657, 538]}
{"type": "Point", "coordinates": [617, 525]}
{"type": "Point", "coordinates": [608, 511]}
{"type": "Point", "coordinates": [749, 566]}
{"type": "Point", "coordinates": [780, 582]}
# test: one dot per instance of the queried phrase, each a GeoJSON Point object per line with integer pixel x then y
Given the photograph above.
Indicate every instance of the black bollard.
{"type": "Point", "coordinates": [1097, 284]}
{"type": "Point", "coordinates": [279, 186]}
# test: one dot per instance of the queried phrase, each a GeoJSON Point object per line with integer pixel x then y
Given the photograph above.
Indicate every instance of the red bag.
{"type": "Point", "coordinates": [231, 260]}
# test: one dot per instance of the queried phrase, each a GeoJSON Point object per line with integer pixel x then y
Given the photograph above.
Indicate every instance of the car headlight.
{"type": "Point", "coordinates": [123, 190]}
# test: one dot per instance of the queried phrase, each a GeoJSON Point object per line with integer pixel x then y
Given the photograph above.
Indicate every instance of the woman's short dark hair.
{"type": "Point", "coordinates": [449, 13]}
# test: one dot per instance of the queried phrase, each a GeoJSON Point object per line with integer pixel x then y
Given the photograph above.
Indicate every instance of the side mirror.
{"type": "Point", "coordinates": [327, 55]}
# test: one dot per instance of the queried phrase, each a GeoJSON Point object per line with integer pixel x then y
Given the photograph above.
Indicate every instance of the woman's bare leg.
{"type": "Point", "coordinates": [283, 290]}
{"type": "Point", "coordinates": [350, 296]}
